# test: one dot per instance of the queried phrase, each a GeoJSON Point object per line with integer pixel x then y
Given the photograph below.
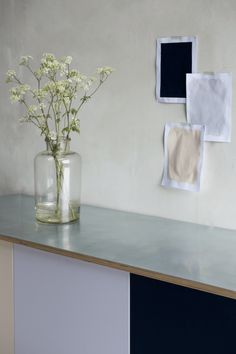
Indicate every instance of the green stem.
{"type": "Point", "coordinates": [59, 179]}
{"type": "Point", "coordinates": [91, 94]}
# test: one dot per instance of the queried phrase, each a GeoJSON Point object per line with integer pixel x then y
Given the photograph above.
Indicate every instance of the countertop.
{"type": "Point", "coordinates": [187, 254]}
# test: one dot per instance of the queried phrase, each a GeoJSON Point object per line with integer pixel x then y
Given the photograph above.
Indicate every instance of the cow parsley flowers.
{"type": "Point", "coordinates": [53, 105]}
{"type": "Point", "coordinates": [60, 92]}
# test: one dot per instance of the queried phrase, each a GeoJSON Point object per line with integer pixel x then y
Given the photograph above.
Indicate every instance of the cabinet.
{"type": "Point", "coordinates": [112, 282]}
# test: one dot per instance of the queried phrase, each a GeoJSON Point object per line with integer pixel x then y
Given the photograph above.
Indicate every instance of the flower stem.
{"type": "Point", "coordinates": [59, 179]}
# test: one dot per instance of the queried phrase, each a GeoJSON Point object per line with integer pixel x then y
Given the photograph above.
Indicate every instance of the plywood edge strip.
{"type": "Point", "coordinates": [127, 268]}
{"type": "Point", "coordinates": [6, 297]}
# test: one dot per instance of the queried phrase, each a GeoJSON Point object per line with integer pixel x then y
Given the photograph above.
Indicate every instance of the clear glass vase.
{"type": "Point", "coordinates": [57, 173]}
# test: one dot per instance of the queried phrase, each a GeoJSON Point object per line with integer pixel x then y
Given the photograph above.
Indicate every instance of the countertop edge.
{"type": "Point", "coordinates": [127, 268]}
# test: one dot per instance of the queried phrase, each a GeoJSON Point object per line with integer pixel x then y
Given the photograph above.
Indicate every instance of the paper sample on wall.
{"type": "Point", "coordinates": [183, 156]}
{"type": "Point", "coordinates": [175, 57]}
{"type": "Point", "coordinates": [209, 100]}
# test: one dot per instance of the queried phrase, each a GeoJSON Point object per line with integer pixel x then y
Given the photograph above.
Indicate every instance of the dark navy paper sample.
{"type": "Point", "coordinates": [176, 62]}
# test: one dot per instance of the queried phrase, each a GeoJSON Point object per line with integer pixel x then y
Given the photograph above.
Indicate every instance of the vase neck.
{"type": "Point", "coordinates": [60, 146]}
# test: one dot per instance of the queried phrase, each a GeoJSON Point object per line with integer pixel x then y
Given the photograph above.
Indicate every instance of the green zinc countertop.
{"type": "Point", "coordinates": [191, 255]}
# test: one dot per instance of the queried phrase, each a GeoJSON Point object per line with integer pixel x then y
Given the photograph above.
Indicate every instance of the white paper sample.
{"type": "Point", "coordinates": [183, 156]}
{"type": "Point", "coordinates": [209, 100]}
{"type": "Point", "coordinates": [175, 56]}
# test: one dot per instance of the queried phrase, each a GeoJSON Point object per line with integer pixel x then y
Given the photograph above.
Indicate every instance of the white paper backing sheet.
{"type": "Point", "coordinates": [174, 39]}
{"type": "Point", "coordinates": [209, 101]}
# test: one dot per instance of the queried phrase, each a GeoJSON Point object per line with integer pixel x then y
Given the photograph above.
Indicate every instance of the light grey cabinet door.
{"type": "Point", "coordinates": [66, 306]}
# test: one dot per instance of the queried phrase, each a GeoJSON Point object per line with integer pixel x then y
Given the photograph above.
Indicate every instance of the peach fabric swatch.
{"type": "Point", "coordinates": [183, 156]}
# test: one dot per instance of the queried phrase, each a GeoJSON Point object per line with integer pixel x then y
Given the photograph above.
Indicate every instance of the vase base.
{"type": "Point", "coordinates": [48, 213]}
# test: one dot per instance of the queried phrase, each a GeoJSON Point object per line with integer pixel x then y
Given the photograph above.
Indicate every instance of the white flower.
{"type": "Point", "coordinates": [67, 100]}
{"type": "Point", "coordinates": [39, 73]}
{"type": "Point", "coordinates": [68, 60]}
{"type": "Point", "coordinates": [87, 82]}
{"type": "Point", "coordinates": [17, 93]}
{"type": "Point", "coordinates": [45, 70]}
{"type": "Point", "coordinates": [61, 86]}
{"type": "Point", "coordinates": [49, 63]}
{"type": "Point", "coordinates": [24, 88]}
{"type": "Point", "coordinates": [77, 79]}
{"type": "Point", "coordinates": [40, 94]}
{"type": "Point", "coordinates": [75, 125]}
{"type": "Point", "coordinates": [105, 70]}
{"type": "Point", "coordinates": [76, 122]}
{"type": "Point", "coordinates": [47, 57]}
{"type": "Point", "coordinates": [75, 75]}
{"type": "Point", "coordinates": [85, 86]}
{"type": "Point", "coordinates": [10, 75]}
{"type": "Point", "coordinates": [48, 103]}
{"type": "Point", "coordinates": [24, 60]}
{"type": "Point", "coordinates": [32, 109]}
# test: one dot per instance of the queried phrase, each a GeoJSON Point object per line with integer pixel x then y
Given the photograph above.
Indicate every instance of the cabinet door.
{"type": "Point", "coordinates": [66, 306]}
{"type": "Point", "coordinates": [168, 319]}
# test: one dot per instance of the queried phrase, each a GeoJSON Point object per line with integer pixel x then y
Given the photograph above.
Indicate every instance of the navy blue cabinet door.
{"type": "Point", "coordinates": [169, 319]}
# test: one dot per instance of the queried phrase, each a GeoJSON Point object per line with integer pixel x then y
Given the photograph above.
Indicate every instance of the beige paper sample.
{"type": "Point", "coordinates": [183, 154]}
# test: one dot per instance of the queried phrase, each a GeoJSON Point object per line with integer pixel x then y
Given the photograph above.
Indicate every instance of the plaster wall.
{"type": "Point", "coordinates": [122, 127]}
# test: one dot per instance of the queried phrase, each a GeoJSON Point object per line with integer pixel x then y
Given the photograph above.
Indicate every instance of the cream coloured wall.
{"type": "Point", "coordinates": [122, 128]}
{"type": "Point", "coordinates": [6, 298]}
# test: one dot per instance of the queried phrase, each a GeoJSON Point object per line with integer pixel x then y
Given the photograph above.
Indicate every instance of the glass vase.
{"type": "Point", "coordinates": [57, 173]}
